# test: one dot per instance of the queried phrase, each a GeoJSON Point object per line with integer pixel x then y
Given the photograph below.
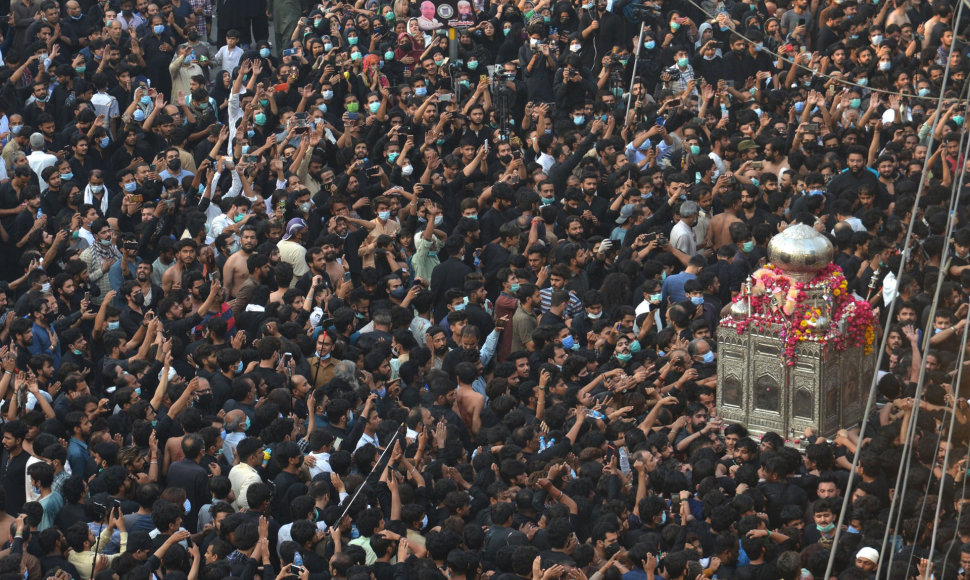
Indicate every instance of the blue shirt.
{"type": "Point", "coordinates": [77, 457]}
{"type": "Point", "coordinates": [116, 277]}
{"type": "Point", "coordinates": [673, 287]}
{"type": "Point", "coordinates": [42, 344]}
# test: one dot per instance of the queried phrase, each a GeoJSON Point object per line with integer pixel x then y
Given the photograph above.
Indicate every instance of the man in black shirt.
{"type": "Point", "coordinates": [13, 465]}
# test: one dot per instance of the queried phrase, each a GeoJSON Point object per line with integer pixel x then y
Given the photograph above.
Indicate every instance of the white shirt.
{"type": "Point", "coordinates": [682, 238]}
{"type": "Point", "coordinates": [38, 161]}
{"type": "Point", "coordinates": [228, 58]}
{"type": "Point", "coordinates": [321, 466]}
{"type": "Point", "coordinates": [365, 439]}
{"type": "Point", "coordinates": [105, 104]}
{"type": "Point", "coordinates": [545, 160]}
{"type": "Point", "coordinates": [219, 224]}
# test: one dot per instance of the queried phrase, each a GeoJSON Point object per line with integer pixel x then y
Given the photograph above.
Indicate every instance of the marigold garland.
{"type": "Point", "coordinates": [777, 305]}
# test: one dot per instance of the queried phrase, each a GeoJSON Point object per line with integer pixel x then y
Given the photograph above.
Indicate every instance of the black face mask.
{"type": "Point", "coordinates": [175, 164]}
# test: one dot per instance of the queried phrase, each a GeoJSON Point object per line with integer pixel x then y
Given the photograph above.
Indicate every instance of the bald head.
{"type": "Point", "coordinates": [235, 421]}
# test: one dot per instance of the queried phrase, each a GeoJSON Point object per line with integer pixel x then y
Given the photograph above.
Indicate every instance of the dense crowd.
{"type": "Point", "coordinates": [380, 298]}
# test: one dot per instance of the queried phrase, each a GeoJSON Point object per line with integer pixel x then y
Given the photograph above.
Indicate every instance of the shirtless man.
{"type": "Point", "coordinates": [719, 232]}
{"type": "Point", "coordinates": [335, 270]}
{"type": "Point", "coordinates": [775, 159]}
{"type": "Point", "coordinates": [185, 252]}
{"type": "Point", "coordinates": [235, 271]}
{"type": "Point", "coordinates": [468, 403]}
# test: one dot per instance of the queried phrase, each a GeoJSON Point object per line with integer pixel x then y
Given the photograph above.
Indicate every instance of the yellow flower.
{"type": "Point", "coordinates": [836, 292]}
{"type": "Point", "coordinates": [804, 324]}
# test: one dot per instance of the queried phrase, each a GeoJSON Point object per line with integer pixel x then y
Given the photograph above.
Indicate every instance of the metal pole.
{"type": "Point", "coordinates": [636, 61]}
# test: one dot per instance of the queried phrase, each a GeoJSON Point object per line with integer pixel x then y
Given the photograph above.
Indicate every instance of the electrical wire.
{"type": "Point", "coordinates": [363, 484]}
{"type": "Point", "coordinates": [911, 430]}
{"type": "Point", "coordinates": [957, 186]}
{"type": "Point", "coordinates": [815, 73]}
{"type": "Point", "coordinates": [949, 436]}
{"type": "Point", "coordinates": [870, 403]}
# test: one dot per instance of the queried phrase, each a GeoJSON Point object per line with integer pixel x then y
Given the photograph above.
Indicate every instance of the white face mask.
{"type": "Point", "coordinates": [407, 170]}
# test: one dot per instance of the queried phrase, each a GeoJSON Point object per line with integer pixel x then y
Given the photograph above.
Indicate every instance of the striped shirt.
{"type": "Point", "coordinates": [573, 307]}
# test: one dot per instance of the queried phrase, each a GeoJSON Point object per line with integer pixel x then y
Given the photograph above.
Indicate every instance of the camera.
{"type": "Point", "coordinates": [643, 13]}
{"type": "Point", "coordinates": [673, 72]}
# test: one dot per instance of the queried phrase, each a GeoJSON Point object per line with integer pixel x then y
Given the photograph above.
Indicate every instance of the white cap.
{"type": "Point", "coordinates": [868, 554]}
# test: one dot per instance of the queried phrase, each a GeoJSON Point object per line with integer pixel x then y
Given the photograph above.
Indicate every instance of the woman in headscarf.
{"type": "Point", "coordinates": [409, 49]}
{"type": "Point", "coordinates": [489, 38]}
{"type": "Point", "coordinates": [773, 37]}
{"type": "Point", "coordinates": [371, 76]}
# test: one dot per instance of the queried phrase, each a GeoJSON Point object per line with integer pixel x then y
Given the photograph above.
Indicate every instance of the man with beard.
{"type": "Point", "coordinates": [751, 213]}
{"type": "Point", "coordinates": [317, 262]}
{"type": "Point", "coordinates": [259, 268]}
{"type": "Point", "coordinates": [235, 271]}
{"type": "Point", "coordinates": [437, 340]}
{"type": "Point", "coordinates": [775, 158]}
{"type": "Point", "coordinates": [697, 421]}
{"type": "Point", "coordinates": [22, 333]}
{"type": "Point", "coordinates": [150, 292]}
{"type": "Point", "coordinates": [185, 252]}
{"type": "Point", "coordinates": [13, 465]}
{"type": "Point", "coordinates": [857, 176]}
{"type": "Point", "coordinates": [887, 174]}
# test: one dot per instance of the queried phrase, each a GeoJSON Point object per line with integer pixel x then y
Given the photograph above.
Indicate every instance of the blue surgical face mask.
{"type": "Point", "coordinates": [105, 142]}
{"type": "Point", "coordinates": [650, 44]}
{"type": "Point", "coordinates": [264, 52]}
{"type": "Point", "coordinates": [114, 325]}
{"type": "Point", "coordinates": [855, 103]}
{"type": "Point", "coordinates": [420, 91]}
{"type": "Point", "coordinates": [568, 342]}
{"type": "Point", "coordinates": [131, 186]}
{"type": "Point", "coordinates": [248, 423]}
{"type": "Point", "coordinates": [697, 300]}
{"type": "Point", "coordinates": [239, 367]}
{"type": "Point", "coordinates": [578, 120]}
{"type": "Point", "coordinates": [514, 288]}
{"type": "Point", "coordinates": [384, 215]}
{"type": "Point", "coordinates": [623, 357]}
{"type": "Point", "coordinates": [709, 357]}
{"type": "Point", "coordinates": [158, 28]}
{"type": "Point", "coordinates": [747, 246]}
{"type": "Point", "coordinates": [187, 505]}
{"type": "Point", "coordinates": [138, 115]}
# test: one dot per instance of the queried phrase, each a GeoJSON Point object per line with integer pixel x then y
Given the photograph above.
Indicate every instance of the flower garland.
{"type": "Point", "coordinates": [780, 305]}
